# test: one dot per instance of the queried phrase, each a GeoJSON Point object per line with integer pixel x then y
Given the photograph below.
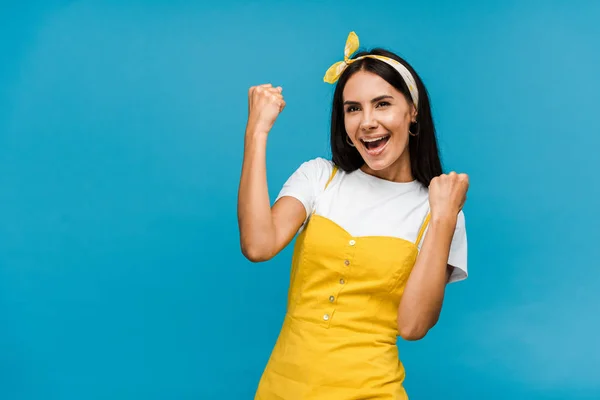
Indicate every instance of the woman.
{"type": "Point", "coordinates": [381, 233]}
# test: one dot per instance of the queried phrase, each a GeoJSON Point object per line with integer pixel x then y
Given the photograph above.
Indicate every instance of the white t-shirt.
{"type": "Point", "coordinates": [365, 205]}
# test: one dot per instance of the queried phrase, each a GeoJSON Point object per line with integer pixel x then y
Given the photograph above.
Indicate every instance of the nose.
{"type": "Point", "coordinates": [367, 122]}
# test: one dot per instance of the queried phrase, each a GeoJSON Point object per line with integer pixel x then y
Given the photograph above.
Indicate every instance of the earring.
{"type": "Point", "coordinates": [412, 132]}
{"type": "Point", "coordinates": [349, 141]}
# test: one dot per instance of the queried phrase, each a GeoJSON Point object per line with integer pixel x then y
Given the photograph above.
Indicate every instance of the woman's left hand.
{"type": "Point", "coordinates": [447, 195]}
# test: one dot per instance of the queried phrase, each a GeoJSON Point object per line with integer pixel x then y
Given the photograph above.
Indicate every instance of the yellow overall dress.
{"type": "Point", "coordinates": [338, 339]}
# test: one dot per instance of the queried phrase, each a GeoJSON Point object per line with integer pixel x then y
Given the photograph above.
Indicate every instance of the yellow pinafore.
{"type": "Point", "coordinates": [338, 339]}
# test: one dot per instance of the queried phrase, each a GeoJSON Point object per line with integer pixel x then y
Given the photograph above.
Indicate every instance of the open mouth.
{"type": "Point", "coordinates": [376, 145]}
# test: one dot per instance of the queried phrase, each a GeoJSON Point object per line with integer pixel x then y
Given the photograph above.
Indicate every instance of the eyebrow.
{"type": "Point", "coordinates": [375, 100]}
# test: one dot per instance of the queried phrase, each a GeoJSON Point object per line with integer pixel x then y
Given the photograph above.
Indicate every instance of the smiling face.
{"type": "Point", "coordinates": [377, 117]}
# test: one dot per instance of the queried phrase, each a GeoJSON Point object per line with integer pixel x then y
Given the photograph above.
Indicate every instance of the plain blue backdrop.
{"type": "Point", "coordinates": [121, 138]}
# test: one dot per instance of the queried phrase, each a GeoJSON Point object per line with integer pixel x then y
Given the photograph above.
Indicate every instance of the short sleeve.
{"type": "Point", "coordinates": [308, 182]}
{"type": "Point", "coordinates": [458, 251]}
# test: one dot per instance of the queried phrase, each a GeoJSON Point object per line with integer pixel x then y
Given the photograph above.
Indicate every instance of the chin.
{"type": "Point", "coordinates": [377, 165]}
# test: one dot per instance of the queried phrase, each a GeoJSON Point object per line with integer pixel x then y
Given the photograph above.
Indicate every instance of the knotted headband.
{"type": "Point", "coordinates": [335, 71]}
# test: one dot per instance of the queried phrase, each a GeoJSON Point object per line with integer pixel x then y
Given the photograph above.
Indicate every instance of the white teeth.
{"type": "Point", "coordinates": [373, 139]}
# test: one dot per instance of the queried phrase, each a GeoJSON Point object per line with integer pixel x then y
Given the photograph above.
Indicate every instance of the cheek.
{"type": "Point", "coordinates": [351, 124]}
{"type": "Point", "coordinates": [395, 122]}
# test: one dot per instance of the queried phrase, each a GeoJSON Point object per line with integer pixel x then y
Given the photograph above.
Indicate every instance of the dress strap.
{"type": "Point", "coordinates": [335, 168]}
{"type": "Point", "coordinates": [422, 230]}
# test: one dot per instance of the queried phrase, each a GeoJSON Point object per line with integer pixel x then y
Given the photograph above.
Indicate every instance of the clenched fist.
{"type": "Point", "coordinates": [264, 105]}
{"type": "Point", "coordinates": [447, 194]}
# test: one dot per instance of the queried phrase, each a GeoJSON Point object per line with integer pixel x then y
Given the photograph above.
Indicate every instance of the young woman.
{"type": "Point", "coordinates": [381, 233]}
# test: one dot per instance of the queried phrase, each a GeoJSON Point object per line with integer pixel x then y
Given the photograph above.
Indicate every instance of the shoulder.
{"type": "Point", "coordinates": [309, 176]}
{"type": "Point", "coordinates": [318, 165]}
{"type": "Point", "coordinates": [317, 170]}
{"type": "Point", "coordinates": [308, 181]}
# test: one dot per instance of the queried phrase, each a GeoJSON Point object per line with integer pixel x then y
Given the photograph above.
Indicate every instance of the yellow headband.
{"type": "Point", "coordinates": [335, 71]}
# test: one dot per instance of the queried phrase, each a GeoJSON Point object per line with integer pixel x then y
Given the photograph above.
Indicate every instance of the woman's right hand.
{"type": "Point", "coordinates": [265, 103]}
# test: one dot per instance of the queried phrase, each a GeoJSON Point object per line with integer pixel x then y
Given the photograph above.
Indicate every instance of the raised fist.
{"type": "Point", "coordinates": [447, 194]}
{"type": "Point", "coordinates": [264, 105]}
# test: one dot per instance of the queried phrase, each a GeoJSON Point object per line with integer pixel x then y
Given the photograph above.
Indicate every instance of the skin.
{"type": "Point", "coordinates": [372, 108]}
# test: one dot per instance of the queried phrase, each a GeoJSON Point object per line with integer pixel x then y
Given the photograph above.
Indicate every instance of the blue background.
{"type": "Point", "coordinates": [121, 138]}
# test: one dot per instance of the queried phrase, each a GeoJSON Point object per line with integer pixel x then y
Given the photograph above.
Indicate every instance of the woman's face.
{"type": "Point", "coordinates": [377, 118]}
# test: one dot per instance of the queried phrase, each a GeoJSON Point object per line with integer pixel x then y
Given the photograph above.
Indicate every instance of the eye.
{"type": "Point", "coordinates": [350, 109]}
{"type": "Point", "coordinates": [383, 104]}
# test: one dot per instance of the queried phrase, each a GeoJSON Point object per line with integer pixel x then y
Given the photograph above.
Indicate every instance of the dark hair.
{"type": "Point", "coordinates": [424, 155]}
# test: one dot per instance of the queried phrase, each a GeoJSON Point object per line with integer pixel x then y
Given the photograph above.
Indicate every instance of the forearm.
{"type": "Point", "coordinates": [423, 295]}
{"type": "Point", "coordinates": [254, 209]}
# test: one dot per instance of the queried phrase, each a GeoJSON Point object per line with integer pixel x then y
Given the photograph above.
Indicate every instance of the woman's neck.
{"type": "Point", "coordinates": [399, 171]}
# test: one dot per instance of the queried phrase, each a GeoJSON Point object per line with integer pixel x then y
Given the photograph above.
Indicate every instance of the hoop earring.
{"type": "Point", "coordinates": [349, 141]}
{"type": "Point", "coordinates": [418, 129]}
